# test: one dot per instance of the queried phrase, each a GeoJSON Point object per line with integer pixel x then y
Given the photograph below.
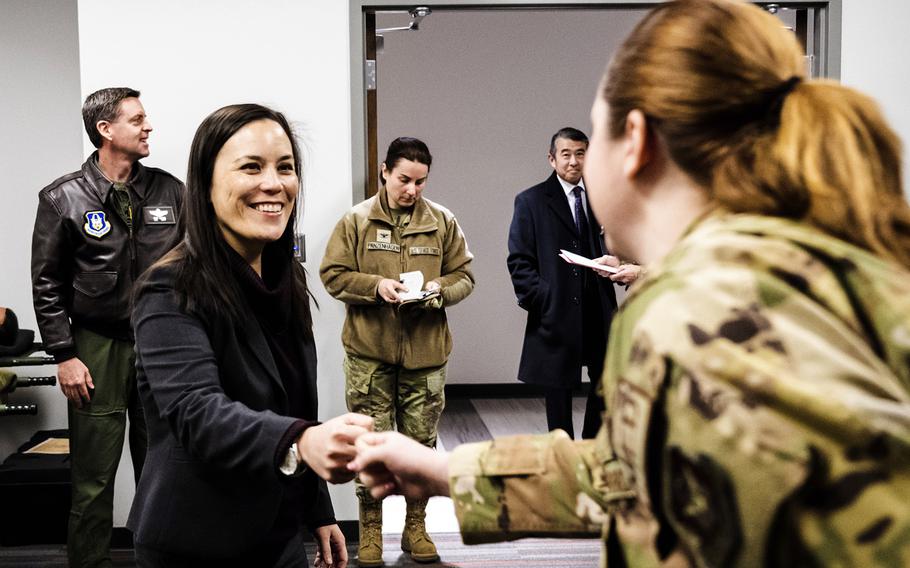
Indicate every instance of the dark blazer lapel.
{"type": "Point", "coordinates": [559, 204]}
{"type": "Point", "coordinates": [260, 348]}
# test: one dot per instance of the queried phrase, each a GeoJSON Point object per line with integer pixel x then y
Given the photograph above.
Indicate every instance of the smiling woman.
{"type": "Point", "coordinates": [226, 367]}
{"type": "Point", "coordinates": [254, 188]}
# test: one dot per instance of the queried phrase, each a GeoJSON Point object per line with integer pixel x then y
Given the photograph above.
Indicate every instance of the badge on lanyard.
{"type": "Point", "coordinates": [159, 215]}
{"type": "Point", "coordinates": [96, 224]}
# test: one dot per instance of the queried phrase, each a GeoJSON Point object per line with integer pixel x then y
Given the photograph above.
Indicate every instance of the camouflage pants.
{"type": "Point", "coordinates": [411, 399]}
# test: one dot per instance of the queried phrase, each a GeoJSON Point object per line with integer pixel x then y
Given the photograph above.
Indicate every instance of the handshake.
{"type": "Point", "coordinates": [387, 462]}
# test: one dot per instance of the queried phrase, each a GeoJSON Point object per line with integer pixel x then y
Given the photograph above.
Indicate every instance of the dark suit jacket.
{"type": "Point", "coordinates": [550, 289]}
{"type": "Point", "coordinates": [216, 411]}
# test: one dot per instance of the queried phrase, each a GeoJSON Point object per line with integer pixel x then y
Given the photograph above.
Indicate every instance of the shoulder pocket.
{"type": "Point", "coordinates": [95, 284]}
{"type": "Point", "coordinates": [517, 455]}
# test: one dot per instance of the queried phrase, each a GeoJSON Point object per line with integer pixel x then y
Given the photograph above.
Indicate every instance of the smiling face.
{"type": "Point", "coordinates": [405, 182]}
{"type": "Point", "coordinates": [569, 159]}
{"type": "Point", "coordinates": [254, 187]}
{"type": "Point", "coordinates": [128, 133]}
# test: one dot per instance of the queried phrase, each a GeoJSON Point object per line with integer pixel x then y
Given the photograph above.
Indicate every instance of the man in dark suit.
{"type": "Point", "coordinates": [569, 307]}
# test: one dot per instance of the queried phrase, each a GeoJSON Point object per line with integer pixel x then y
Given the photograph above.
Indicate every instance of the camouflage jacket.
{"type": "Point", "coordinates": [758, 395]}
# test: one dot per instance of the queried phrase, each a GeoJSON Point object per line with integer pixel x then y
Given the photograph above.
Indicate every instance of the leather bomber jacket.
{"type": "Point", "coordinates": [84, 257]}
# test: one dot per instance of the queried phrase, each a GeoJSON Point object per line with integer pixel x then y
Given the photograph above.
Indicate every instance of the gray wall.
{"type": "Point", "coordinates": [486, 90]}
{"type": "Point", "coordinates": [41, 140]}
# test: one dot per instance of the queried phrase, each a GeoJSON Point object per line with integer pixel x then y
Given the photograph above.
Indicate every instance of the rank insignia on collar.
{"type": "Point", "coordinates": [96, 224]}
{"type": "Point", "coordinates": [159, 215]}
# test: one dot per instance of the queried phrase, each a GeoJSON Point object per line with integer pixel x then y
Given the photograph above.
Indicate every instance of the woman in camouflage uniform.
{"type": "Point", "coordinates": [396, 351]}
{"type": "Point", "coordinates": [758, 376]}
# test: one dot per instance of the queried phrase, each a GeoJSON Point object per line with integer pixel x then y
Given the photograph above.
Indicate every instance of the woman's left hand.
{"type": "Point", "coordinates": [331, 551]}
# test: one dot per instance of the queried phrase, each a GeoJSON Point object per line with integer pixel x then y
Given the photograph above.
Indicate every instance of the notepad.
{"type": "Point", "coordinates": [414, 283]}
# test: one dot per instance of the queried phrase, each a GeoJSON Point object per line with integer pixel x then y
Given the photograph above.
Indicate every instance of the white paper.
{"type": "Point", "coordinates": [414, 282]}
{"type": "Point", "coordinates": [573, 258]}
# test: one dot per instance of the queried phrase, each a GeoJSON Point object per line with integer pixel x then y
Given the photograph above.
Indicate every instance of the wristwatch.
{"type": "Point", "coordinates": [291, 462]}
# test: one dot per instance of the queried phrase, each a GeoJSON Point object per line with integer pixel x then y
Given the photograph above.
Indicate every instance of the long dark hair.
{"type": "Point", "coordinates": [205, 283]}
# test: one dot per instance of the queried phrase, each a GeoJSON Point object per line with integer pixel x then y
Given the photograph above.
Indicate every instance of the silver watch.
{"type": "Point", "coordinates": [291, 461]}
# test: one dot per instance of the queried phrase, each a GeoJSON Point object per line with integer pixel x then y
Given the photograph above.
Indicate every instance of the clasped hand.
{"type": "Point", "coordinates": [391, 463]}
{"type": "Point", "coordinates": [387, 462]}
{"type": "Point", "coordinates": [329, 447]}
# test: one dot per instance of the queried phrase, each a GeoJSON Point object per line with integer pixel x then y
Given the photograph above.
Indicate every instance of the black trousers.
{"type": "Point", "coordinates": [594, 340]}
{"type": "Point", "coordinates": [559, 407]}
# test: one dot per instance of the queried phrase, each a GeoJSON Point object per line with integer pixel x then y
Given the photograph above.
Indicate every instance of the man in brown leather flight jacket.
{"type": "Point", "coordinates": [96, 231]}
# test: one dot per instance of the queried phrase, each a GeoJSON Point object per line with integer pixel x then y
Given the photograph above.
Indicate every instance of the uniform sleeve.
{"type": "Point", "coordinates": [525, 486]}
{"type": "Point", "coordinates": [457, 279]}
{"type": "Point", "coordinates": [182, 375]}
{"type": "Point", "coordinates": [746, 418]}
{"type": "Point", "coordinates": [524, 268]}
{"type": "Point", "coordinates": [339, 269]}
{"type": "Point", "coordinates": [52, 258]}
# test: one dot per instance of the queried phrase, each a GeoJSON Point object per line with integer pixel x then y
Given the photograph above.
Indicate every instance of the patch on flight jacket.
{"type": "Point", "coordinates": [159, 215]}
{"type": "Point", "coordinates": [424, 250]}
{"type": "Point", "coordinates": [96, 224]}
{"type": "Point", "coordinates": [383, 236]}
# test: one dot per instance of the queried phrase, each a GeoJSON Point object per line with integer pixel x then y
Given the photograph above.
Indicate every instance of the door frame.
{"type": "Point", "coordinates": [828, 22]}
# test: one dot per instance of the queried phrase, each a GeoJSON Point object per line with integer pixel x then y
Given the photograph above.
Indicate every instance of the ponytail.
{"type": "Point", "coordinates": [833, 162]}
{"type": "Point", "coordinates": [721, 82]}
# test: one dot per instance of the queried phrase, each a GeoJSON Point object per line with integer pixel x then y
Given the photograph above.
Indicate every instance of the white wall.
{"type": "Point", "coordinates": [874, 59]}
{"type": "Point", "coordinates": [190, 58]}
{"type": "Point", "coordinates": [39, 142]}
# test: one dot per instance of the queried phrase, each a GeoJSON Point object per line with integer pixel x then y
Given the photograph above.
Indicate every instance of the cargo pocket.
{"type": "Point", "coordinates": [436, 387]}
{"type": "Point", "coordinates": [433, 407]}
{"type": "Point", "coordinates": [358, 378]}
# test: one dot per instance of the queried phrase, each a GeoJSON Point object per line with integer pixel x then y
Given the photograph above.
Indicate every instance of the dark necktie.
{"type": "Point", "coordinates": [581, 220]}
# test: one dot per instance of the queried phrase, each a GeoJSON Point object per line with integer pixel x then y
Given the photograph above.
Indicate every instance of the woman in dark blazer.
{"type": "Point", "coordinates": [227, 368]}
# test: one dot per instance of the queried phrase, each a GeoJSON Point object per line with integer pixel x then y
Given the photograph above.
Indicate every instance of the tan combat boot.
{"type": "Point", "coordinates": [415, 539]}
{"type": "Point", "coordinates": [369, 552]}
